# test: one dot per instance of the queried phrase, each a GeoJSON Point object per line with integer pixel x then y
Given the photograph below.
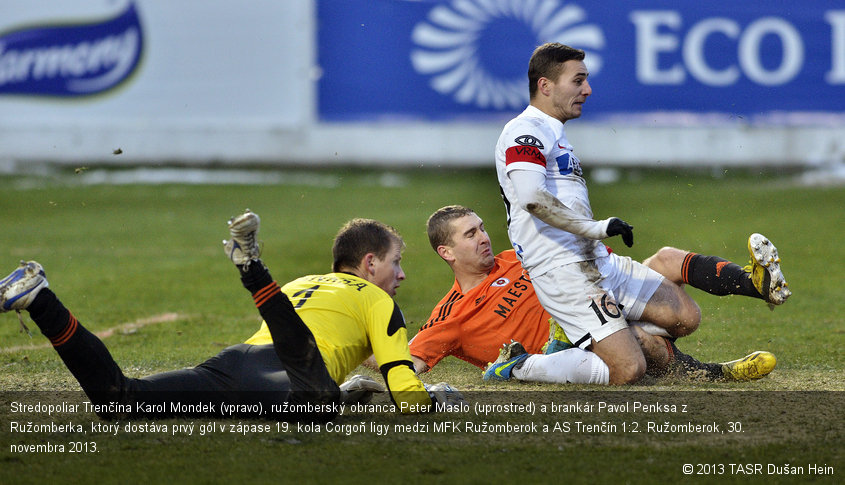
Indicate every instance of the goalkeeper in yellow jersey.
{"type": "Point", "coordinates": [316, 330]}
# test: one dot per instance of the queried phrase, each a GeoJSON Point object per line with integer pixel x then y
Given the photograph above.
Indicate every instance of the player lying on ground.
{"type": "Point", "coordinates": [591, 293]}
{"type": "Point", "coordinates": [492, 302]}
{"type": "Point", "coordinates": [292, 365]}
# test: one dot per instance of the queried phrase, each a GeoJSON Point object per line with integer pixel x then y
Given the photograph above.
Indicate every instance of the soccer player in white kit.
{"type": "Point", "coordinates": [592, 293]}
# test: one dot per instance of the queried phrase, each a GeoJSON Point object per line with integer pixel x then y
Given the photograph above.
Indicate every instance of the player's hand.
{"type": "Point", "coordinates": [444, 394]}
{"type": "Point", "coordinates": [359, 389]}
{"type": "Point", "coordinates": [618, 227]}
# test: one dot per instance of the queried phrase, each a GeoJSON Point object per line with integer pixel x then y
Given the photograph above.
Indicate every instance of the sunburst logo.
{"type": "Point", "coordinates": [476, 51]}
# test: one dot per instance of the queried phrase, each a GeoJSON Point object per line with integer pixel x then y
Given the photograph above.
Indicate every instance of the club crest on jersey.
{"type": "Point", "coordinates": [528, 140]}
{"type": "Point", "coordinates": [569, 164]}
{"type": "Point", "coordinates": [501, 282]}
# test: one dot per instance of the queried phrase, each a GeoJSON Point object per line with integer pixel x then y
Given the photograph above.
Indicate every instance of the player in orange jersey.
{"type": "Point", "coordinates": [492, 302]}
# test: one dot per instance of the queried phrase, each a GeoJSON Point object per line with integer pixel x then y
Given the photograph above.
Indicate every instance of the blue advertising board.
{"type": "Point", "coordinates": [73, 59]}
{"type": "Point", "coordinates": [467, 59]}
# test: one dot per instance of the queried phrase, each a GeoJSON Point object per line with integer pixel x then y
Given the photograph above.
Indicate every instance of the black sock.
{"type": "Point", "coordinates": [292, 339]}
{"type": "Point", "coordinates": [683, 364]}
{"type": "Point", "coordinates": [83, 353]}
{"type": "Point", "coordinates": [255, 277]}
{"type": "Point", "coordinates": [717, 276]}
{"type": "Point", "coordinates": [49, 314]}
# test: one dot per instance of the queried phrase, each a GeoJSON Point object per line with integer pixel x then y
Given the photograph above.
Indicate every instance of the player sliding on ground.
{"type": "Point", "coordinates": [591, 293]}
{"type": "Point", "coordinates": [316, 329]}
{"type": "Point", "coordinates": [492, 302]}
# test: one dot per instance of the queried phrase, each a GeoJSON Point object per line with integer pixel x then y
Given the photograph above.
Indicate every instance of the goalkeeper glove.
{"type": "Point", "coordinates": [359, 389]}
{"type": "Point", "coordinates": [444, 394]}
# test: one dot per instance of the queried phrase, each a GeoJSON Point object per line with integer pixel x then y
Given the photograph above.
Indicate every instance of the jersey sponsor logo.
{"type": "Point", "coordinates": [522, 153]}
{"type": "Point", "coordinates": [337, 279]}
{"type": "Point", "coordinates": [518, 249]}
{"type": "Point", "coordinates": [569, 164]}
{"type": "Point", "coordinates": [474, 51]}
{"type": "Point", "coordinates": [501, 282]}
{"type": "Point", "coordinates": [71, 60]}
{"type": "Point", "coordinates": [512, 296]}
{"type": "Point", "coordinates": [528, 140]}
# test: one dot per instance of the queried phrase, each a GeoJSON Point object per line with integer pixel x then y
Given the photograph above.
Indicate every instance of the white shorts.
{"type": "Point", "coordinates": [594, 299]}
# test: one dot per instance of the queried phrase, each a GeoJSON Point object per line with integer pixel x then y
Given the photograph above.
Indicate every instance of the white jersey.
{"type": "Point", "coordinates": [536, 141]}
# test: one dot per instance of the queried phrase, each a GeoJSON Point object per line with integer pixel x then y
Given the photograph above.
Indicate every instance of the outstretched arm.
{"type": "Point", "coordinates": [532, 196]}
{"type": "Point", "coordinates": [419, 365]}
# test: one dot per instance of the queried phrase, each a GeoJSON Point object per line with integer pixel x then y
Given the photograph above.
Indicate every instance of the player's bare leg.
{"type": "Point", "coordinates": [762, 279]}
{"type": "Point", "coordinates": [623, 356]}
{"type": "Point", "coordinates": [671, 309]}
{"type": "Point", "coordinates": [664, 358]}
{"type": "Point", "coordinates": [654, 349]}
{"type": "Point", "coordinates": [667, 261]}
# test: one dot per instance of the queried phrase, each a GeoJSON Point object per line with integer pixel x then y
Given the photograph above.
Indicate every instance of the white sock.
{"type": "Point", "coordinates": [573, 365]}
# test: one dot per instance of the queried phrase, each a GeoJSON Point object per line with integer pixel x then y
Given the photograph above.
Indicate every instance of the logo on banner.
{"type": "Point", "coordinates": [71, 60]}
{"type": "Point", "coordinates": [476, 51]}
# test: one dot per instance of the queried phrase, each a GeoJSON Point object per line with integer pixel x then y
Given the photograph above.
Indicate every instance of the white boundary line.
{"type": "Point", "coordinates": [104, 334]}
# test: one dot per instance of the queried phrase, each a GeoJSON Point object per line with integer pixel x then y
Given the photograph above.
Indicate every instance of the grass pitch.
{"type": "Point", "coordinates": [143, 265]}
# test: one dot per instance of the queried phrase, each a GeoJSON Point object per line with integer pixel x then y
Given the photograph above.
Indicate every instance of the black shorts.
{"type": "Point", "coordinates": [228, 377]}
{"type": "Point", "coordinates": [243, 381]}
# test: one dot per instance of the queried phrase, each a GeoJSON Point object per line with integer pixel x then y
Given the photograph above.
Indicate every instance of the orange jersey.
{"type": "Point", "coordinates": [473, 326]}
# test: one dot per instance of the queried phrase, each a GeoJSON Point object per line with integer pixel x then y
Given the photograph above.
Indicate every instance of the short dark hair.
{"type": "Point", "coordinates": [547, 61]}
{"type": "Point", "coordinates": [438, 225]}
{"type": "Point", "coordinates": [361, 236]}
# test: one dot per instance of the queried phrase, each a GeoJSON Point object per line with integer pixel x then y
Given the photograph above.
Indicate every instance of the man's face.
{"type": "Point", "coordinates": [471, 248]}
{"type": "Point", "coordinates": [386, 273]}
{"type": "Point", "coordinates": [570, 90]}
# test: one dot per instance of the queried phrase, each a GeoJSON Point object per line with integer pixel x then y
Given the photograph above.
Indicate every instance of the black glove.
{"type": "Point", "coordinates": [618, 227]}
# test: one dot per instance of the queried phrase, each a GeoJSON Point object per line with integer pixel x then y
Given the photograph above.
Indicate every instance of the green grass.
{"type": "Point", "coordinates": [122, 254]}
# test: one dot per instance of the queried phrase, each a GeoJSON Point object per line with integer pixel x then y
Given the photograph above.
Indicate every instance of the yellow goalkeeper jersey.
{"type": "Point", "coordinates": [352, 319]}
